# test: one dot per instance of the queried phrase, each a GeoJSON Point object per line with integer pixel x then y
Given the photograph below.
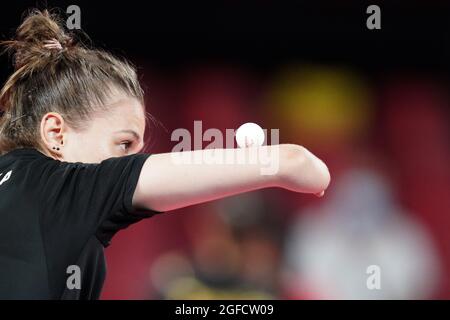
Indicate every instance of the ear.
{"type": "Point", "coordinates": [53, 129]}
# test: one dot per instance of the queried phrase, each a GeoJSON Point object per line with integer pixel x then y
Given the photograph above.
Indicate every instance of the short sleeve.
{"type": "Point", "coordinates": [86, 199]}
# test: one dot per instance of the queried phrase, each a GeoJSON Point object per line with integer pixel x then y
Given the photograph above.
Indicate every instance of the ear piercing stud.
{"type": "Point", "coordinates": [56, 148]}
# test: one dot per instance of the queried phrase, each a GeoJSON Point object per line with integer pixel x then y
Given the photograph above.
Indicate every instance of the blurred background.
{"type": "Point", "coordinates": [374, 104]}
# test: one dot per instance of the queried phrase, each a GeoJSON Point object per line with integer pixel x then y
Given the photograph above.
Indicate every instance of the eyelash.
{"type": "Point", "coordinates": [127, 144]}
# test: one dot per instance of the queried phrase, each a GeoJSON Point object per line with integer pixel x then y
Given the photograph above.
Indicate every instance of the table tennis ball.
{"type": "Point", "coordinates": [250, 135]}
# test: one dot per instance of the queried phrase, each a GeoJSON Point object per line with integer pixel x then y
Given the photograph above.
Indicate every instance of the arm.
{"type": "Point", "coordinates": [166, 185]}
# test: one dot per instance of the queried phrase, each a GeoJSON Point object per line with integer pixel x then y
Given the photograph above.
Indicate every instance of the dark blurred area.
{"type": "Point", "coordinates": [374, 104]}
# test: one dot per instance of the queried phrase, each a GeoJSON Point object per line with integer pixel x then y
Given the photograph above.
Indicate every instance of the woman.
{"type": "Point", "coordinates": [70, 172]}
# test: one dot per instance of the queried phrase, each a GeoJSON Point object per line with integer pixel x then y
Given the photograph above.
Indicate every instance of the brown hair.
{"type": "Point", "coordinates": [72, 80]}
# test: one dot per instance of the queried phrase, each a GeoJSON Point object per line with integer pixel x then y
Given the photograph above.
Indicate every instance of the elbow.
{"type": "Point", "coordinates": [304, 171]}
{"type": "Point", "coordinates": [323, 176]}
{"type": "Point", "coordinates": [318, 172]}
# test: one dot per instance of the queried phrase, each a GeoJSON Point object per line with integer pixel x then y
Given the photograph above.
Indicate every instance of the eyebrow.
{"type": "Point", "coordinates": [134, 133]}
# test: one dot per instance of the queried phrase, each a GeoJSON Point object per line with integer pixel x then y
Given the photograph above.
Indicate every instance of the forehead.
{"type": "Point", "coordinates": [125, 113]}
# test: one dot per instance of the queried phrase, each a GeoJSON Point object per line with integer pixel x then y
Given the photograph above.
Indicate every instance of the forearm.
{"type": "Point", "coordinates": [166, 184]}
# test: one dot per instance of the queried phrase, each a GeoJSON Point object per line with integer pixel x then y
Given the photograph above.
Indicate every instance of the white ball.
{"type": "Point", "coordinates": [250, 135]}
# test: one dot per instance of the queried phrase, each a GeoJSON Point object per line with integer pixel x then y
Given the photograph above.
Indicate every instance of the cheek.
{"type": "Point", "coordinates": [89, 147]}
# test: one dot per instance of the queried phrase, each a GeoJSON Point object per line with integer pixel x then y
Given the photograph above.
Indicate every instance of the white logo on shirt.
{"type": "Point", "coordinates": [5, 177]}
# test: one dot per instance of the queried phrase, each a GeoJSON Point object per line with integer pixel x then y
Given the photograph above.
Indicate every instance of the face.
{"type": "Point", "coordinates": [119, 131]}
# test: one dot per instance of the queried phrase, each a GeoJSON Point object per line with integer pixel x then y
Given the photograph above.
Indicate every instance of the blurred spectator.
{"type": "Point", "coordinates": [228, 260]}
{"type": "Point", "coordinates": [359, 225]}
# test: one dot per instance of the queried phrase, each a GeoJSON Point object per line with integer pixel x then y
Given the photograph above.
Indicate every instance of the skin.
{"type": "Point", "coordinates": [163, 184]}
{"type": "Point", "coordinates": [117, 132]}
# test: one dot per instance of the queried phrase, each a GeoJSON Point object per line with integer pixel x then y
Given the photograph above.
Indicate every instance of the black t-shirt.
{"type": "Point", "coordinates": [55, 220]}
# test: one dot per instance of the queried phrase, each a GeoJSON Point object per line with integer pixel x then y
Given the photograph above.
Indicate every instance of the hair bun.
{"type": "Point", "coordinates": [38, 28]}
